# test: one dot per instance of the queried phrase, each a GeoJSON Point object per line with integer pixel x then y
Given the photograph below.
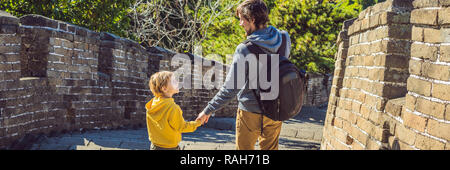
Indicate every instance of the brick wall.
{"type": "Point", "coordinates": [392, 83]}
{"type": "Point", "coordinates": [58, 77]}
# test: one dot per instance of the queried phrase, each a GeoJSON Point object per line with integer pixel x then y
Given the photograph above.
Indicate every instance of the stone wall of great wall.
{"type": "Point", "coordinates": [56, 77]}
{"type": "Point", "coordinates": [391, 85]}
{"type": "Point", "coordinates": [318, 91]}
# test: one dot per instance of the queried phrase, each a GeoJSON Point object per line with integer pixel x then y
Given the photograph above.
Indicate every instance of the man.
{"type": "Point", "coordinates": [253, 16]}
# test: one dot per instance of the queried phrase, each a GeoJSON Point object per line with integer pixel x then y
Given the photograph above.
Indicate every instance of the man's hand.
{"type": "Point", "coordinates": [203, 117]}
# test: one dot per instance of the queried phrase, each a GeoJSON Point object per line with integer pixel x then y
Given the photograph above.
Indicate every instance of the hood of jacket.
{"type": "Point", "coordinates": [268, 38]}
{"type": "Point", "coordinates": [157, 107]}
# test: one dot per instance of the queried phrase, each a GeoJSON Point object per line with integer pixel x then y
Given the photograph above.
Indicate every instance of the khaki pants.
{"type": "Point", "coordinates": [248, 131]}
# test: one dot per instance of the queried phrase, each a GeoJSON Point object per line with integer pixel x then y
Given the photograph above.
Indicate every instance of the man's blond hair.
{"type": "Point", "coordinates": [158, 81]}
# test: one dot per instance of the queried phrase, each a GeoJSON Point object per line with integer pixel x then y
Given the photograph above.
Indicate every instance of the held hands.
{"type": "Point", "coordinates": [203, 118]}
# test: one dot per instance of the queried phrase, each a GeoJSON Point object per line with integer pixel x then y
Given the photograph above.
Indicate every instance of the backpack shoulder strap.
{"type": "Point", "coordinates": [256, 50]}
{"type": "Point", "coordinates": [253, 48]}
{"type": "Point", "coordinates": [282, 49]}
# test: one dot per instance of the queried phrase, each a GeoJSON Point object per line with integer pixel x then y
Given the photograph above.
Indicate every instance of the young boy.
{"type": "Point", "coordinates": [165, 121]}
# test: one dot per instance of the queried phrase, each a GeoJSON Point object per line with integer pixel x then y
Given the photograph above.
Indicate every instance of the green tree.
{"type": "Point", "coordinates": [98, 15]}
{"type": "Point", "coordinates": [180, 26]}
{"type": "Point", "coordinates": [367, 3]}
{"type": "Point", "coordinates": [313, 27]}
{"type": "Point", "coordinates": [224, 35]}
{"type": "Point", "coordinates": [312, 24]}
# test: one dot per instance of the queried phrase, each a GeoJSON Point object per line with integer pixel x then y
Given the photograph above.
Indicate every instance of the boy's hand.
{"type": "Point", "coordinates": [203, 117]}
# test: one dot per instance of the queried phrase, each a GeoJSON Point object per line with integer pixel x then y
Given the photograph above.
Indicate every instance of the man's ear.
{"type": "Point", "coordinates": [252, 21]}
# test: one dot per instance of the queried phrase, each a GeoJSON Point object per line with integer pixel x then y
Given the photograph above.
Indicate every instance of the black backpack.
{"type": "Point", "coordinates": [292, 86]}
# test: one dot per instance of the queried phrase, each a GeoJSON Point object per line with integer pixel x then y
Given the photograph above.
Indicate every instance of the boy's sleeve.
{"type": "Point", "coordinates": [179, 124]}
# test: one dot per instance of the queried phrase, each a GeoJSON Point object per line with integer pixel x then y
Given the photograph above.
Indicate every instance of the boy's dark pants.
{"type": "Point", "coordinates": [154, 147]}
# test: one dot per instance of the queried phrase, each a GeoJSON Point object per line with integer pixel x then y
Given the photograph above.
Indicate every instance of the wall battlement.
{"type": "Point", "coordinates": [391, 84]}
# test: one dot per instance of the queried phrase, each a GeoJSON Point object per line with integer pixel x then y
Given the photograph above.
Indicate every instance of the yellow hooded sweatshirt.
{"type": "Point", "coordinates": [165, 122]}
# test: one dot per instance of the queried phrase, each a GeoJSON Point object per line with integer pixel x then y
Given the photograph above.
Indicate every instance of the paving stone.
{"type": "Point", "coordinates": [144, 145]}
{"type": "Point", "coordinates": [227, 147]}
{"type": "Point", "coordinates": [105, 143]}
{"type": "Point", "coordinates": [305, 134]}
{"type": "Point", "coordinates": [290, 132]}
{"type": "Point", "coordinates": [54, 147]}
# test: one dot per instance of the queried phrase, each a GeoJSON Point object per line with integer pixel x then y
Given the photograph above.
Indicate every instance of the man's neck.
{"type": "Point", "coordinates": [256, 29]}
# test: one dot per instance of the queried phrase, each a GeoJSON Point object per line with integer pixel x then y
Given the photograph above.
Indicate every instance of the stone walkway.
{"type": "Point", "coordinates": [303, 132]}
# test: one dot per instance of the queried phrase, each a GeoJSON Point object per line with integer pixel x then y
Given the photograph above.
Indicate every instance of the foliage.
{"type": "Point", "coordinates": [367, 3]}
{"type": "Point", "coordinates": [180, 26]}
{"type": "Point", "coordinates": [98, 15]}
{"type": "Point", "coordinates": [223, 35]}
{"type": "Point", "coordinates": [313, 27]}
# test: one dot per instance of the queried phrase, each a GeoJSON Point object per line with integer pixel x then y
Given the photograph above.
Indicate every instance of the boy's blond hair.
{"type": "Point", "coordinates": [158, 81]}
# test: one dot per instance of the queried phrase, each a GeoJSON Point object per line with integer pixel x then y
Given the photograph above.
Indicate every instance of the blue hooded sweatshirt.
{"type": "Point", "coordinates": [269, 39]}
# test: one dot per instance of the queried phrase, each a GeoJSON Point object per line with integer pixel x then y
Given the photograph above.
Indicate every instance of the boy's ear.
{"type": "Point", "coordinates": [164, 88]}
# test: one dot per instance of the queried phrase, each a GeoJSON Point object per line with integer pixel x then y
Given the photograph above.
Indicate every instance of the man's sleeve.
{"type": "Point", "coordinates": [229, 89]}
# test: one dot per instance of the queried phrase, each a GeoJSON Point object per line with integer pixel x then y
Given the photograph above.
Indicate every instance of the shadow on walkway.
{"type": "Point", "coordinates": [298, 145]}
{"type": "Point", "coordinates": [315, 115]}
{"type": "Point", "coordinates": [205, 135]}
